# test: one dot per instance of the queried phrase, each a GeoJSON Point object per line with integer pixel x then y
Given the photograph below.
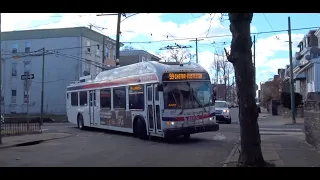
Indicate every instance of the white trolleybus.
{"type": "Point", "coordinates": [147, 99]}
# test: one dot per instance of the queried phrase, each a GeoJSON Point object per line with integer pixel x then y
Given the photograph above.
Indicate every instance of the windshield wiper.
{"type": "Point", "coordinates": [198, 102]}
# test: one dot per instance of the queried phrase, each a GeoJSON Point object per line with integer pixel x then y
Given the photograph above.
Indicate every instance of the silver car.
{"type": "Point", "coordinates": [223, 112]}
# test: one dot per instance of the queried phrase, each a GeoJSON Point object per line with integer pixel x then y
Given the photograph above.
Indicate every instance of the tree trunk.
{"type": "Point", "coordinates": [241, 58]}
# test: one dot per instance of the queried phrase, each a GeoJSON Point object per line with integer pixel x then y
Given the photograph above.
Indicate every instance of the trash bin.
{"type": "Point", "coordinates": [274, 107]}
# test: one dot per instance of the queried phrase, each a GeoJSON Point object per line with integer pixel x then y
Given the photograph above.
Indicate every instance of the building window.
{"type": "Point", "coordinates": [106, 54]}
{"type": "Point", "coordinates": [28, 47]}
{"type": "Point", "coordinates": [27, 67]}
{"type": "Point", "coordinates": [98, 51]}
{"type": "Point", "coordinates": [136, 97]}
{"type": "Point", "coordinates": [105, 98]}
{"type": "Point", "coordinates": [119, 98]}
{"type": "Point", "coordinates": [13, 96]}
{"type": "Point", "coordinates": [14, 70]}
{"type": "Point", "coordinates": [88, 46]}
{"type": "Point", "coordinates": [74, 99]}
{"type": "Point", "coordinates": [83, 96]}
{"type": "Point", "coordinates": [14, 48]}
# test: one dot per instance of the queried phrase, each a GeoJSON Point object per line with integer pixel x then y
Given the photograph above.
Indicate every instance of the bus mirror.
{"type": "Point", "coordinates": [160, 87]}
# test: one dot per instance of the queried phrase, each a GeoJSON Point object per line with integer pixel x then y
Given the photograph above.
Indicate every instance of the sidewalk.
{"type": "Point", "coordinates": [11, 141]}
{"type": "Point", "coordinates": [265, 117]}
{"type": "Point", "coordinates": [283, 151]}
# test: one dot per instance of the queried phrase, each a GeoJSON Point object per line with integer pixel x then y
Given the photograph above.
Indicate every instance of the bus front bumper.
{"type": "Point", "coordinates": [172, 132]}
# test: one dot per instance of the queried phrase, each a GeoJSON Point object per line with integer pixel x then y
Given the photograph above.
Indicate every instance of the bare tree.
{"type": "Point", "coordinates": [271, 90]}
{"type": "Point", "coordinates": [128, 48]}
{"type": "Point", "coordinates": [241, 58]}
{"type": "Point", "coordinates": [221, 70]}
{"type": "Point", "coordinates": [176, 55]}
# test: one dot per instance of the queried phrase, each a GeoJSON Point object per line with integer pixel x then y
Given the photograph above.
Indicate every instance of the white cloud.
{"type": "Point", "coordinates": [151, 25]}
{"type": "Point", "coordinates": [266, 49]}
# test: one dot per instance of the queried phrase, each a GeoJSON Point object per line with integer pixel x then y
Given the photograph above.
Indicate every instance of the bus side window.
{"type": "Point", "coordinates": [119, 98]}
{"type": "Point", "coordinates": [136, 97]}
{"type": "Point", "coordinates": [105, 98]}
{"type": "Point", "coordinates": [74, 99]}
{"type": "Point", "coordinates": [67, 95]}
{"type": "Point", "coordinates": [83, 96]}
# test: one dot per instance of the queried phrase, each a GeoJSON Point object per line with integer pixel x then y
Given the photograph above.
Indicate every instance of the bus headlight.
{"type": "Point", "coordinates": [212, 119]}
{"type": "Point", "coordinates": [170, 123]}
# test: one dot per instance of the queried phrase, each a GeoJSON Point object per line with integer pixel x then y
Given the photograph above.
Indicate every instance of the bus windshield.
{"type": "Point", "coordinates": [187, 95]}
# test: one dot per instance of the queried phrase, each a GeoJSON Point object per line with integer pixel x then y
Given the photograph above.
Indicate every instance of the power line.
{"type": "Point", "coordinates": [219, 36]}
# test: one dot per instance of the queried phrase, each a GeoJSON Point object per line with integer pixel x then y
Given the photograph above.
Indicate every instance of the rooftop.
{"type": "Point", "coordinates": [55, 33]}
{"type": "Point", "coordinates": [136, 52]}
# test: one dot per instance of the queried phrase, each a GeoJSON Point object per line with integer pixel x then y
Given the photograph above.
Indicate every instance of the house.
{"type": "Point", "coordinates": [306, 65]}
{"type": "Point", "coordinates": [134, 56]}
{"type": "Point", "coordinates": [225, 92]}
{"type": "Point", "coordinates": [70, 54]}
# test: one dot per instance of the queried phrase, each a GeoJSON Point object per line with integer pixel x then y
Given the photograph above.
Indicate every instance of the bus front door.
{"type": "Point", "coordinates": [92, 106]}
{"type": "Point", "coordinates": [154, 115]}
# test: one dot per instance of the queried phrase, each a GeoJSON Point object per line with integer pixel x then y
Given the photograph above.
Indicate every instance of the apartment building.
{"type": "Point", "coordinates": [134, 56]}
{"type": "Point", "coordinates": [70, 53]}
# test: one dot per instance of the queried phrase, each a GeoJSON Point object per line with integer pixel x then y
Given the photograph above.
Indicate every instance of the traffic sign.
{"type": "Point", "coordinates": [27, 76]}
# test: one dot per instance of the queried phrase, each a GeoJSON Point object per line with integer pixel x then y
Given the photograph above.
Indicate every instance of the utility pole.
{"type": "Point", "coordinates": [103, 49]}
{"type": "Point", "coordinates": [293, 107]}
{"type": "Point", "coordinates": [118, 39]}
{"type": "Point", "coordinates": [254, 57]}
{"type": "Point", "coordinates": [196, 40]}
{"type": "Point", "coordinates": [42, 87]}
{"type": "Point", "coordinates": [27, 87]}
{"type": "Point", "coordinates": [0, 83]}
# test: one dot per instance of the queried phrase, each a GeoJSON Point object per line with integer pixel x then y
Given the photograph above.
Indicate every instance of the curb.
{"type": "Point", "coordinates": [230, 155]}
{"type": "Point", "coordinates": [32, 142]}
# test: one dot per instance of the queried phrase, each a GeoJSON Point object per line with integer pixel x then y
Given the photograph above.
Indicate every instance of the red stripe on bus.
{"type": "Point", "coordinates": [188, 117]}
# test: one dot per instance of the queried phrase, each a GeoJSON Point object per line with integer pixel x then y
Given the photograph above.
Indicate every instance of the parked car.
{"type": "Point", "coordinates": [223, 112]}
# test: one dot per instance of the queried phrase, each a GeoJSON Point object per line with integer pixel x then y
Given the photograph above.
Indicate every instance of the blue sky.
{"type": "Point", "coordinates": [272, 48]}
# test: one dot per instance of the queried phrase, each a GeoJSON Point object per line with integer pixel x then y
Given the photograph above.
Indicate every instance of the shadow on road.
{"type": "Point", "coordinates": [177, 140]}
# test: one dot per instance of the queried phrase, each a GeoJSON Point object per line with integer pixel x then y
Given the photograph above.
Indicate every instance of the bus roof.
{"type": "Point", "coordinates": [144, 68]}
{"type": "Point", "coordinates": [148, 72]}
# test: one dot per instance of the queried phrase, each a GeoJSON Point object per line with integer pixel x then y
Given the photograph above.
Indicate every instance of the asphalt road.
{"type": "Point", "coordinates": [105, 148]}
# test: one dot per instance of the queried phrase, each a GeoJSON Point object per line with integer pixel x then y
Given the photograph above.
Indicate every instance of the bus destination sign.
{"type": "Point", "coordinates": [136, 88]}
{"type": "Point", "coordinates": [181, 76]}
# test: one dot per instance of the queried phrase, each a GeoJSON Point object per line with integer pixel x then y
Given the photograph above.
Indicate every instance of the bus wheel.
{"type": "Point", "coordinates": [141, 129]}
{"type": "Point", "coordinates": [186, 136]}
{"type": "Point", "coordinates": [80, 122]}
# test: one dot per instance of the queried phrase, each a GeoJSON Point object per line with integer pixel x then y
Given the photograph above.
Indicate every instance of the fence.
{"type": "Point", "coordinates": [20, 125]}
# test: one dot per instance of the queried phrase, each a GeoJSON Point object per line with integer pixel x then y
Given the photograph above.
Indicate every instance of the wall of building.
{"type": "Point", "coordinates": [312, 121]}
{"type": "Point", "coordinates": [59, 72]}
{"type": "Point", "coordinates": [127, 60]}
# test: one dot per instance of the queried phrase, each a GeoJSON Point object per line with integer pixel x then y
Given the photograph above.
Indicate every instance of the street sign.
{"type": "Point", "coordinates": [28, 76]}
